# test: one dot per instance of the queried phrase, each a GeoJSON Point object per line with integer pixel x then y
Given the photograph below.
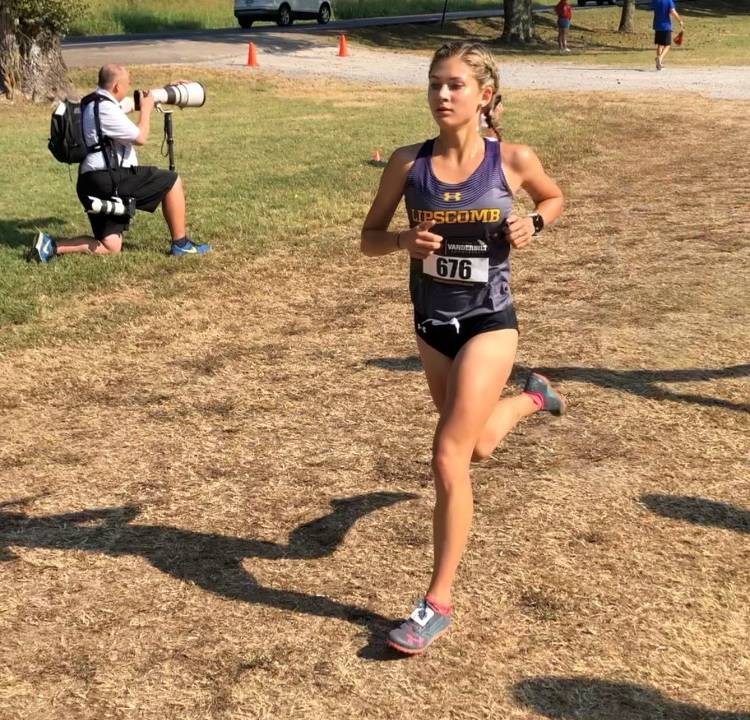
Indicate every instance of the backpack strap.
{"type": "Point", "coordinates": [95, 98]}
{"type": "Point", "coordinates": [104, 144]}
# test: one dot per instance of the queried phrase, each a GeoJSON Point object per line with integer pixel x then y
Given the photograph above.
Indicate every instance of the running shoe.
{"type": "Point", "coordinates": [553, 401]}
{"type": "Point", "coordinates": [425, 625]}
{"type": "Point", "coordinates": [43, 249]}
{"type": "Point", "coordinates": [189, 248]}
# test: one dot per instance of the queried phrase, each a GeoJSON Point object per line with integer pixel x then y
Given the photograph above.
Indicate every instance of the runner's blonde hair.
{"type": "Point", "coordinates": [484, 68]}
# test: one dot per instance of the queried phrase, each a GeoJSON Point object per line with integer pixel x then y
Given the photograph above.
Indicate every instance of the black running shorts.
{"type": "Point", "coordinates": [663, 37]}
{"type": "Point", "coordinates": [147, 184]}
{"type": "Point", "coordinates": [448, 339]}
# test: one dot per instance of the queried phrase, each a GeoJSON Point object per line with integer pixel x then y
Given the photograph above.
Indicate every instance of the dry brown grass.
{"type": "Point", "coordinates": [161, 483]}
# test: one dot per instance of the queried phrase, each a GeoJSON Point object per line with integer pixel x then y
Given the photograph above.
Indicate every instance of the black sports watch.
{"type": "Point", "coordinates": [538, 221]}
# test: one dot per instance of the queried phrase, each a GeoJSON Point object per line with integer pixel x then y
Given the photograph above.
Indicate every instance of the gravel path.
{"type": "Point", "coordinates": [306, 55]}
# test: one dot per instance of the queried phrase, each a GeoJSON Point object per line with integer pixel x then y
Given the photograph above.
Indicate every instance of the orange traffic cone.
{"type": "Point", "coordinates": [377, 159]}
{"type": "Point", "coordinates": [252, 56]}
{"type": "Point", "coordinates": [343, 47]}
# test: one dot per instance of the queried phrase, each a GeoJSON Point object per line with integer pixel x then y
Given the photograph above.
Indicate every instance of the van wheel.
{"type": "Point", "coordinates": [324, 15]}
{"type": "Point", "coordinates": [245, 23]}
{"type": "Point", "coordinates": [285, 18]}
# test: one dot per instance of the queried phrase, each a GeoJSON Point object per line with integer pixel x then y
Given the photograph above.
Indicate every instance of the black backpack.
{"type": "Point", "coordinates": [66, 133]}
{"type": "Point", "coordinates": [66, 142]}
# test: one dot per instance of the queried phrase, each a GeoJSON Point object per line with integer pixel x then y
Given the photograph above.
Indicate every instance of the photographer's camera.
{"type": "Point", "coordinates": [113, 206]}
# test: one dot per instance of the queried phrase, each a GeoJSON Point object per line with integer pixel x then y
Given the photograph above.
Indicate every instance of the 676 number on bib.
{"type": "Point", "coordinates": [456, 268]}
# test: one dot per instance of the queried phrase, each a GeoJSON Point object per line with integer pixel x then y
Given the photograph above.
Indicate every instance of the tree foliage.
{"type": "Point", "coordinates": [34, 18]}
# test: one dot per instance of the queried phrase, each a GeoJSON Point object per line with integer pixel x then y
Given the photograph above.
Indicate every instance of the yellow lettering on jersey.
{"type": "Point", "coordinates": [451, 217]}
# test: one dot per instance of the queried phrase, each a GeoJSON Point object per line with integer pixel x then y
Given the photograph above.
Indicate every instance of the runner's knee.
{"type": "Point", "coordinates": [449, 458]}
{"type": "Point", "coordinates": [482, 451]}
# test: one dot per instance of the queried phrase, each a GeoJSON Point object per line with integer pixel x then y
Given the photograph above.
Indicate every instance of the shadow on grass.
{"type": "Point", "coordinates": [143, 21]}
{"type": "Point", "coordinates": [406, 364]}
{"type": "Point", "coordinates": [431, 36]}
{"type": "Point", "coordinates": [592, 699]}
{"type": "Point", "coordinates": [20, 233]}
{"type": "Point", "coordinates": [636, 382]}
{"type": "Point", "coordinates": [119, 24]}
{"type": "Point", "coordinates": [213, 562]}
{"type": "Point", "coordinates": [643, 382]}
{"type": "Point", "coordinates": [714, 8]}
{"type": "Point", "coordinates": [699, 511]}
{"type": "Point", "coordinates": [414, 37]}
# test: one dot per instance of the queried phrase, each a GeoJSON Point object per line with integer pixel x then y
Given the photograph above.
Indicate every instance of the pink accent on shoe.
{"type": "Point", "coordinates": [412, 639]}
{"type": "Point", "coordinates": [414, 651]}
{"type": "Point", "coordinates": [440, 607]}
{"type": "Point", "coordinates": [536, 398]}
{"type": "Point", "coordinates": [405, 650]}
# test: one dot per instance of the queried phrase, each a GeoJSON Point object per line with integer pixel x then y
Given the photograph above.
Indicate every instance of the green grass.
{"type": "Point", "coordinates": [261, 170]}
{"type": "Point", "coordinates": [716, 33]}
{"type": "Point", "coordinates": [135, 16]}
{"type": "Point", "coordinates": [140, 16]}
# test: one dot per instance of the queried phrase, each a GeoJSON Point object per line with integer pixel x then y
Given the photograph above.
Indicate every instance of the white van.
{"type": "Point", "coordinates": [284, 12]}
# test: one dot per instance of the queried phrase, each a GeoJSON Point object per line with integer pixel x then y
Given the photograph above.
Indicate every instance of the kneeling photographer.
{"type": "Point", "coordinates": [111, 185]}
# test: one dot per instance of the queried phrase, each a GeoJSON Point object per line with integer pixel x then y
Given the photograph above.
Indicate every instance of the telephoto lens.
{"type": "Point", "coordinates": [188, 94]}
{"type": "Point", "coordinates": [113, 206]}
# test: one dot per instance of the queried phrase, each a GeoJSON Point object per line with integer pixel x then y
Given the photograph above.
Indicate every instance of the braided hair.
{"type": "Point", "coordinates": [484, 67]}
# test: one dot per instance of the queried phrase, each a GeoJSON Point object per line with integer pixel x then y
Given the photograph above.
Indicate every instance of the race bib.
{"type": "Point", "coordinates": [457, 269]}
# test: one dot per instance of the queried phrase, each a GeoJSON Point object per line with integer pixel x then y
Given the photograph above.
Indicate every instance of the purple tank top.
{"type": "Point", "coordinates": [470, 275]}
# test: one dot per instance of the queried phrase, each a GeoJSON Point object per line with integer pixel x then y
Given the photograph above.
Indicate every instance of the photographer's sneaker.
{"type": "Point", "coordinates": [43, 249]}
{"type": "Point", "coordinates": [551, 400]}
{"type": "Point", "coordinates": [188, 247]}
{"type": "Point", "coordinates": [425, 625]}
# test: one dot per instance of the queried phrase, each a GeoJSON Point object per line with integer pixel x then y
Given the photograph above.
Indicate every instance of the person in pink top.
{"type": "Point", "coordinates": [564, 12]}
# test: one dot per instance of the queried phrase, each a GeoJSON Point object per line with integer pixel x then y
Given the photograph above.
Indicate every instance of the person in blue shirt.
{"type": "Point", "coordinates": [664, 10]}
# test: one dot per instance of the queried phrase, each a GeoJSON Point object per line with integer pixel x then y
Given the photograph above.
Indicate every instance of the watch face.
{"type": "Point", "coordinates": [538, 222]}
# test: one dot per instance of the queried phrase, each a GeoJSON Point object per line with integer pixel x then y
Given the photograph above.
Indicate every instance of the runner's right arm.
{"type": "Point", "coordinates": [376, 238]}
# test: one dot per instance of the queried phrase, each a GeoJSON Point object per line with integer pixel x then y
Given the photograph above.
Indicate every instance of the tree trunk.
{"type": "Point", "coordinates": [518, 24]}
{"type": "Point", "coordinates": [30, 67]}
{"type": "Point", "coordinates": [628, 15]}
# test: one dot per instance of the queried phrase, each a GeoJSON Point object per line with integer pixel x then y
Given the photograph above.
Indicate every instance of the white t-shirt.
{"type": "Point", "coordinates": [116, 126]}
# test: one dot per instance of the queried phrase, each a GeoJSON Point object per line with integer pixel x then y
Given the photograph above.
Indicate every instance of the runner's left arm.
{"type": "Point", "coordinates": [541, 188]}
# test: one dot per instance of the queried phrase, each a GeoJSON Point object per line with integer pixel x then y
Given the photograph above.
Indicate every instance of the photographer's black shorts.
{"type": "Point", "coordinates": [147, 184]}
